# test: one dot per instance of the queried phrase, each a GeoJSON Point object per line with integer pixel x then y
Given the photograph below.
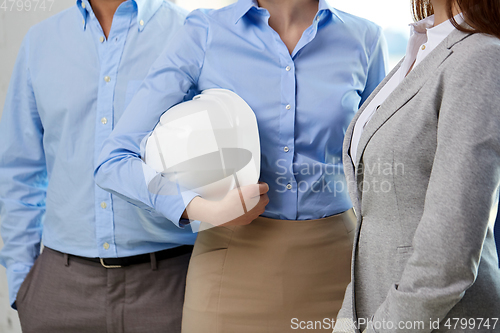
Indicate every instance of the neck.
{"type": "Point", "coordinates": [104, 11]}
{"type": "Point", "coordinates": [441, 11]}
{"type": "Point", "coordinates": [289, 18]}
{"type": "Point", "coordinates": [286, 13]}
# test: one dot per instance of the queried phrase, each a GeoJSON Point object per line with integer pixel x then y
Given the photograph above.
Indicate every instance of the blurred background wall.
{"type": "Point", "coordinates": [17, 16]}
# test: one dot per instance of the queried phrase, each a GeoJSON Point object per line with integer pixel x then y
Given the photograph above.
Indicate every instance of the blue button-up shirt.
{"type": "Point", "coordinates": [69, 87]}
{"type": "Point", "coordinates": [303, 102]}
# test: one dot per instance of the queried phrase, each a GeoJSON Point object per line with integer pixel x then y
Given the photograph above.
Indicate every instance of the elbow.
{"type": "Point", "coordinates": [106, 164]}
{"type": "Point", "coordinates": [100, 175]}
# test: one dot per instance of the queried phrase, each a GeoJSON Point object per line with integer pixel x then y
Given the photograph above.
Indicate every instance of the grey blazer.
{"type": "Point", "coordinates": [425, 190]}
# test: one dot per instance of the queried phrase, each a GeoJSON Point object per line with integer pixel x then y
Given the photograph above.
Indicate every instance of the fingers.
{"type": "Point", "coordinates": [260, 206]}
{"type": "Point", "coordinates": [263, 188]}
{"type": "Point", "coordinates": [242, 205]}
{"type": "Point", "coordinates": [264, 199]}
{"type": "Point", "coordinates": [255, 206]}
{"type": "Point", "coordinates": [254, 190]}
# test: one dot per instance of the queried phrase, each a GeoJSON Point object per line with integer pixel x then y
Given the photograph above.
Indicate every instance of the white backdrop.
{"type": "Point", "coordinates": [16, 17]}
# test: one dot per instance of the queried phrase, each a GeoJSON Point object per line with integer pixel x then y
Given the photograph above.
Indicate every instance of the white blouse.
{"type": "Point", "coordinates": [424, 38]}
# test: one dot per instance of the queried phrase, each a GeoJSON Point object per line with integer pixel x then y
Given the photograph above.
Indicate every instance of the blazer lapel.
{"type": "Point", "coordinates": [349, 169]}
{"type": "Point", "coordinates": [408, 88]}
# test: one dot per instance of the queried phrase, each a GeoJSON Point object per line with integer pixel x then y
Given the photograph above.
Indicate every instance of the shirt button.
{"type": "Point", "coordinates": [103, 205]}
{"type": "Point", "coordinates": [288, 68]}
{"type": "Point", "coordinates": [83, 21]}
{"type": "Point", "coordinates": [83, 5]}
{"type": "Point", "coordinates": [289, 186]}
{"type": "Point", "coordinates": [141, 22]}
{"type": "Point", "coordinates": [288, 107]}
{"type": "Point", "coordinates": [423, 47]}
{"type": "Point", "coordinates": [101, 39]}
{"type": "Point", "coordinates": [286, 149]}
{"type": "Point", "coordinates": [317, 18]}
{"type": "Point", "coordinates": [107, 78]}
{"type": "Point", "coordinates": [104, 121]}
{"type": "Point", "coordinates": [106, 246]}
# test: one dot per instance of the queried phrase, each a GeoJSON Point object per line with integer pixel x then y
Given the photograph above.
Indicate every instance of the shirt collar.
{"type": "Point", "coordinates": [424, 32]}
{"type": "Point", "coordinates": [440, 32]}
{"type": "Point", "coordinates": [325, 6]}
{"type": "Point", "coordinates": [426, 26]}
{"type": "Point", "coordinates": [422, 25]}
{"type": "Point", "coordinates": [82, 7]}
{"type": "Point", "coordinates": [242, 7]}
{"type": "Point", "coordinates": [145, 10]}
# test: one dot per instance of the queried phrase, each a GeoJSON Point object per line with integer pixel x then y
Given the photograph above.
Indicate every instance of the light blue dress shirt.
{"type": "Point", "coordinates": [68, 89]}
{"type": "Point", "coordinates": [303, 102]}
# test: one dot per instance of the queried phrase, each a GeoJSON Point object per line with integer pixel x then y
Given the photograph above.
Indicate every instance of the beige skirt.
{"type": "Point", "coordinates": [269, 276]}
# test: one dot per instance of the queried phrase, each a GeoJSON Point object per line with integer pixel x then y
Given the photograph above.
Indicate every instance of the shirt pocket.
{"type": "Point", "coordinates": [132, 87]}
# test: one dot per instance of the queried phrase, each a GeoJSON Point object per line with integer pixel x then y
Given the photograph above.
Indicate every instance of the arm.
{"type": "Point", "coordinates": [461, 195]}
{"type": "Point", "coordinates": [122, 172]}
{"type": "Point", "coordinates": [377, 65]}
{"type": "Point", "coordinates": [120, 169]}
{"type": "Point", "coordinates": [23, 176]}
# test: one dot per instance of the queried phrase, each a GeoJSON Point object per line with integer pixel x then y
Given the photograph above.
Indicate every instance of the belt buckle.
{"type": "Point", "coordinates": [109, 266]}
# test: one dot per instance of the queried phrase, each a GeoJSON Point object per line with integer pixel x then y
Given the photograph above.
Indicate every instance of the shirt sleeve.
{"type": "Point", "coordinates": [171, 79]}
{"type": "Point", "coordinates": [461, 199]}
{"type": "Point", "coordinates": [23, 176]}
{"type": "Point", "coordinates": [377, 65]}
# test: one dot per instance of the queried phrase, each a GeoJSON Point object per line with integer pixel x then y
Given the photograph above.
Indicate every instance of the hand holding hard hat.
{"type": "Point", "coordinates": [239, 207]}
{"type": "Point", "coordinates": [210, 145]}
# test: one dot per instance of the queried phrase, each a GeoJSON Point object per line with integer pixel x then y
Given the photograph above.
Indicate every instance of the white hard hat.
{"type": "Point", "coordinates": [209, 145]}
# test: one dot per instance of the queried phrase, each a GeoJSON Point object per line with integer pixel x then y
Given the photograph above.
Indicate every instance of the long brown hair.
{"type": "Point", "coordinates": [483, 16]}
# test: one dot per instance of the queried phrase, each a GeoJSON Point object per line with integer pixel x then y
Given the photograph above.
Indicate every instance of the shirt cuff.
{"type": "Point", "coordinates": [172, 207]}
{"type": "Point", "coordinates": [142, 146]}
{"type": "Point", "coordinates": [194, 224]}
{"type": "Point", "coordinates": [184, 222]}
{"type": "Point", "coordinates": [16, 274]}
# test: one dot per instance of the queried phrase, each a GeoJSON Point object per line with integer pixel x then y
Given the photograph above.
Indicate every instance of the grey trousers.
{"type": "Point", "coordinates": [62, 295]}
